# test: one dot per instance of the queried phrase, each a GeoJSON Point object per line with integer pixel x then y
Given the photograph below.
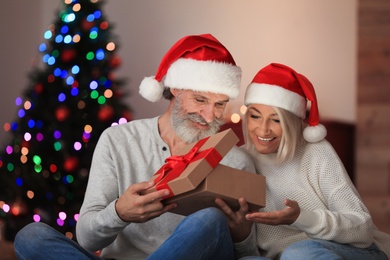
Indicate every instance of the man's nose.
{"type": "Point", "coordinates": [208, 113]}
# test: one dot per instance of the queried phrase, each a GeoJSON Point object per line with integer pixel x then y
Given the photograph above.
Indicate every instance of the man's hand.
{"type": "Point", "coordinates": [286, 216]}
{"type": "Point", "coordinates": [133, 207]}
{"type": "Point", "coordinates": [239, 226]}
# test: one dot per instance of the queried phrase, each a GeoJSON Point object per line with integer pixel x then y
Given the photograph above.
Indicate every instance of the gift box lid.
{"type": "Point", "coordinates": [209, 152]}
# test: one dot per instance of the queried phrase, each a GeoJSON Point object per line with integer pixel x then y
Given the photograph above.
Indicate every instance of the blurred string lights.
{"type": "Point", "coordinates": [236, 117]}
{"type": "Point", "coordinates": [62, 57]}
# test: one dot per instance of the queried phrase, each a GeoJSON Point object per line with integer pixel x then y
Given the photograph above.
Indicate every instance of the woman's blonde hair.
{"type": "Point", "coordinates": [292, 134]}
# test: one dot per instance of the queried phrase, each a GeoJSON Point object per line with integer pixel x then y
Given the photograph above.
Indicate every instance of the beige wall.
{"type": "Point", "coordinates": [316, 37]}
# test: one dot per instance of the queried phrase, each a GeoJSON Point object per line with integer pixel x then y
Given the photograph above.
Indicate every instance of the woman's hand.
{"type": "Point", "coordinates": [286, 216]}
{"type": "Point", "coordinates": [240, 227]}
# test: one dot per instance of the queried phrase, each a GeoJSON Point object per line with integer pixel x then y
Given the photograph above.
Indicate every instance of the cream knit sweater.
{"type": "Point", "coordinates": [331, 208]}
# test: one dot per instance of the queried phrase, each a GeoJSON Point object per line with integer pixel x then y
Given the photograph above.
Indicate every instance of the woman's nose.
{"type": "Point", "coordinates": [264, 127]}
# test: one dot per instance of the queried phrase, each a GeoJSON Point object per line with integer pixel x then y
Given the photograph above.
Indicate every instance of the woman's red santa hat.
{"type": "Point", "coordinates": [195, 62]}
{"type": "Point", "coordinates": [280, 86]}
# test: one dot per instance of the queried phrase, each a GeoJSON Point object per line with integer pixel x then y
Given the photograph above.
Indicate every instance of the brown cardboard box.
{"type": "Point", "coordinates": [197, 169]}
{"type": "Point", "coordinates": [226, 183]}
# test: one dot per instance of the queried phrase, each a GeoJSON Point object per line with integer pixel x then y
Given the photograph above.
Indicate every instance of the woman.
{"type": "Point", "coordinates": [313, 211]}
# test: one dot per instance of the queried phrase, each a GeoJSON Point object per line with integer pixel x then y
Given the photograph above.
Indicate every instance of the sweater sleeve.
{"type": "Point", "coordinates": [98, 223]}
{"type": "Point", "coordinates": [345, 218]}
{"type": "Point", "coordinates": [247, 247]}
{"type": "Point", "coordinates": [240, 159]}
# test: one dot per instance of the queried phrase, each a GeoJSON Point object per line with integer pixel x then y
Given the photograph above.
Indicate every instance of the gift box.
{"type": "Point", "coordinates": [226, 183]}
{"type": "Point", "coordinates": [190, 166]}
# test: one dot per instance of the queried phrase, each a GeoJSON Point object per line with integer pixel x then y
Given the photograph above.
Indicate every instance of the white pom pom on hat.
{"type": "Point", "coordinates": [280, 86]}
{"type": "Point", "coordinates": [314, 133]}
{"type": "Point", "coordinates": [195, 62]}
{"type": "Point", "coordinates": [151, 89]}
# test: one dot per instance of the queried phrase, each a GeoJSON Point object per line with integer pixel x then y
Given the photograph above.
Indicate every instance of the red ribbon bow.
{"type": "Point", "coordinates": [176, 164]}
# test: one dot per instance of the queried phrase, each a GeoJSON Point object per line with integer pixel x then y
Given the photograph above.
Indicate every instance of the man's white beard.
{"type": "Point", "coordinates": [183, 124]}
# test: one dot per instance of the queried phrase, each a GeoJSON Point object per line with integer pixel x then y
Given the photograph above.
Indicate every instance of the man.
{"type": "Point", "coordinates": [198, 76]}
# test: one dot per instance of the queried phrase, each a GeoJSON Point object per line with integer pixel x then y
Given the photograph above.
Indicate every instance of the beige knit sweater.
{"type": "Point", "coordinates": [331, 208]}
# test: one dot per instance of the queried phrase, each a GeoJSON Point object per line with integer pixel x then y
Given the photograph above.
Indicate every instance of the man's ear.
{"type": "Point", "coordinates": [174, 91]}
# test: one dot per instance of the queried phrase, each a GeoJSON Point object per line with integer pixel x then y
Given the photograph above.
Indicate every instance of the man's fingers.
{"type": "Point", "coordinates": [139, 188]}
{"type": "Point", "coordinates": [221, 203]}
{"type": "Point", "coordinates": [224, 207]}
{"type": "Point", "coordinates": [244, 208]}
{"type": "Point", "coordinates": [156, 195]}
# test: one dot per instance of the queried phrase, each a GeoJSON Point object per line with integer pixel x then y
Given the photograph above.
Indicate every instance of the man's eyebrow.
{"type": "Point", "coordinates": [204, 97]}
{"type": "Point", "coordinates": [224, 101]}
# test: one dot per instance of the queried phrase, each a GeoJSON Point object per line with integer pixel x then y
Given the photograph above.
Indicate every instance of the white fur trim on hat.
{"type": "Point", "coordinates": [151, 89]}
{"type": "Point", "coordinates": [276, 96]}
{"type": "Point", "coordinates": [204, 76]}
{"type": "Point", "coordinates": [315, 133]}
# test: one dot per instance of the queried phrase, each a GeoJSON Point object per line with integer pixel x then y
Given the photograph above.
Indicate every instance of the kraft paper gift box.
{"type": "Point", "coordinates": [196, 183]}
{"type": "Point", "coordinates": [226, 183]}
{"type": "Point", "coordinates": [186, 170]}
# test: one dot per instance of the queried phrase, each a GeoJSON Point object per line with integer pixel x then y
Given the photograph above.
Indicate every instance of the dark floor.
{"type": "Point", "coordinates": [7, 251]}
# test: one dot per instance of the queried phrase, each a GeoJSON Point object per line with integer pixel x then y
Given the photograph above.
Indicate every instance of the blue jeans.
{"type": "Point", "coordinates": [326, 250]}
{"type": "Point", "coordinates": [201, 235]}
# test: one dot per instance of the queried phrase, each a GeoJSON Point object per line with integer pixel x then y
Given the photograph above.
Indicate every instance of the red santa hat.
{"type": "Point", "coordinates": [280, 86]}
{"type": "Point", "coordinates": [195, 62]}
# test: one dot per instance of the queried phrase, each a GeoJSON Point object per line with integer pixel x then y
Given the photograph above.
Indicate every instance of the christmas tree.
{"type": "Point", "coordinates": [71, 97]}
